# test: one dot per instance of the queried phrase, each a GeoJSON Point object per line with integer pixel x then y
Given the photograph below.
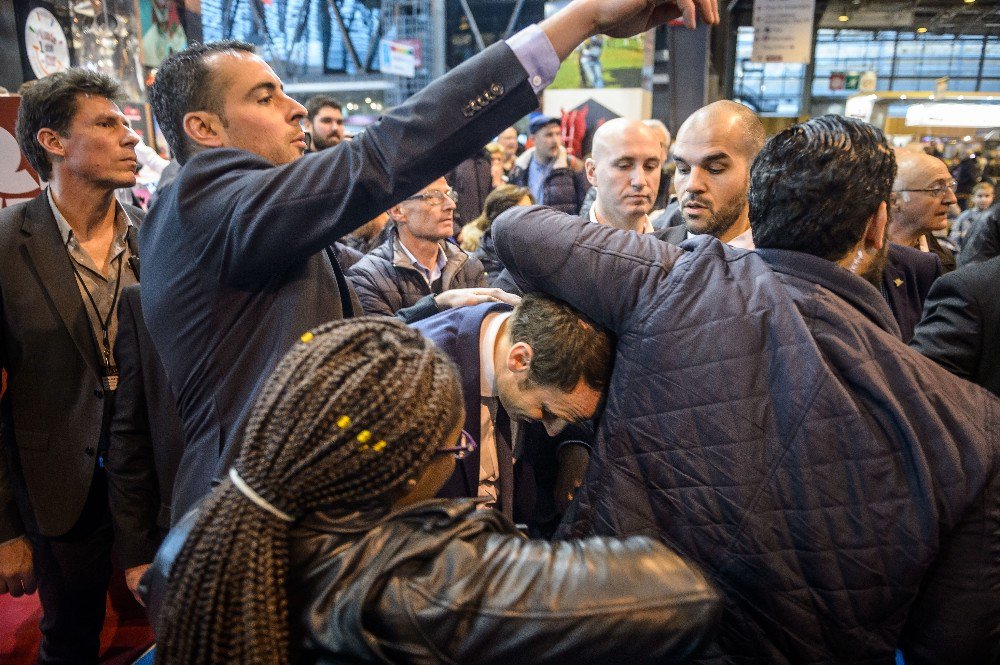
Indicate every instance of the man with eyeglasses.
{"type": "Point", "coordinates": [419, 271]}
{"type": "Point", "coordinates": [921, 198]}
{"type": "Point", "coordinates": [531, 379]}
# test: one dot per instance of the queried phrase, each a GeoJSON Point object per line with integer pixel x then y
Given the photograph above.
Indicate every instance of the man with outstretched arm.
{"type": "Point", "coordinates": [236, 258]}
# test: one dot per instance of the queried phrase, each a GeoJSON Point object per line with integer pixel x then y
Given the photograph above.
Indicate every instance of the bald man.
{"type": "Point", "coordinates": [921, 196]}
{"type": "Point", "coordinates": [667, 168]}
{"type": "Point", "coordinates": [713, 153]}
{"type": "Point", "coordinates": [624, 168]}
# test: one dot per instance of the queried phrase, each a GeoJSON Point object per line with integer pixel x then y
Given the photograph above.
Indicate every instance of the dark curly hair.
{"type": "Point", "coordinates": [815, 185]}
{"type": "Point", "coordinates": [52, 102]}
{"type": "Point", "coordinates": [346, 418]}
{"type": "Point", "coordinates": [184, 83]}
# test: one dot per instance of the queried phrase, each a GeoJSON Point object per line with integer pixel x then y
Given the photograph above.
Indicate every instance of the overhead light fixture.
{"type": "Point", "coordinates": [843, 18]}
{"type": "Point", "coordinates": [902, 96]}
{"type": "Point", "coordinates": [921, 30]}
{"type": "Point", "coordinates": [969, 2]}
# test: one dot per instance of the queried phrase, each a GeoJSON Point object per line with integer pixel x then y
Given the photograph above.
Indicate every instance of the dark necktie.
{"type": "Point", "coordinates": [505, 461]}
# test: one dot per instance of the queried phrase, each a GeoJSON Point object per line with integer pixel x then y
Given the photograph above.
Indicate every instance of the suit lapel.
{"type": "Point", "coordinates": [51, 262]}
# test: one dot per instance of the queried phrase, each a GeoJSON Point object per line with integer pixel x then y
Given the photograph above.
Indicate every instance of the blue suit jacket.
{"type": "Point", "coordinates": [456, 332]}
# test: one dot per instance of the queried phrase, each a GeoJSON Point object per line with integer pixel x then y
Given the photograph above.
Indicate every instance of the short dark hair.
{"type": "Point", "coordinates": [52, 102]}
{"type": "Point", "coordinates": [183, 84]}
{"type": "Point", "coordinates": [316, 103]}
{"type": "Point", "coordinates": [815, 185]}
{"type": "Point", "coordinates": [567, 347]}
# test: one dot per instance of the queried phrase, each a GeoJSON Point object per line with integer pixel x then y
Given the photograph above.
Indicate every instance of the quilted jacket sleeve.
{"type": "Point", "coordinates": [602, 271]}
{"type": "Point", "coordinates": [501, 599]}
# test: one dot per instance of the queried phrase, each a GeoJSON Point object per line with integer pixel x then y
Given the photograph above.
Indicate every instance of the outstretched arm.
{"type": "Point", "coordinates": [603, 272]}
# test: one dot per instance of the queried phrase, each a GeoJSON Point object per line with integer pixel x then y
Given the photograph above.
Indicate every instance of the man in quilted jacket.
{"type": "Point", "coordinates": [765, 419]}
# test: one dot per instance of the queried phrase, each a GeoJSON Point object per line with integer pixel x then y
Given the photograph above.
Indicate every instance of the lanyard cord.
{"type": "Point", "coordinates": [103, 322]}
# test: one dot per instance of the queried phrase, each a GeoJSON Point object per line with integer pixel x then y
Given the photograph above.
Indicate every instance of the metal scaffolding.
{"type": "Point", "coordinates": [422, 21]}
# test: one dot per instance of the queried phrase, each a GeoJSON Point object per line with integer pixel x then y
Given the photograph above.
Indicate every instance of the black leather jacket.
{"type": "Point", "coordinates": [440, 582]}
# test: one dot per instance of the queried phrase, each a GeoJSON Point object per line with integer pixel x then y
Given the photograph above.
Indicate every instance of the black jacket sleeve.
{"type": "Point", "coordinates": [983, 241]}
{"type": "Point", "coordinates": [951, 331]}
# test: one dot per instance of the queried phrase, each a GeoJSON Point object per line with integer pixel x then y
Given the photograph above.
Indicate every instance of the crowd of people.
{"type": "Point", "coordinates": [756, 423]}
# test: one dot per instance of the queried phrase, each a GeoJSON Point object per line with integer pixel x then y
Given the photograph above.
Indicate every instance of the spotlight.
{"type": "Point", "coordinates": [921, 30]}
{"type": "Point", "coordinates": [843, 18]}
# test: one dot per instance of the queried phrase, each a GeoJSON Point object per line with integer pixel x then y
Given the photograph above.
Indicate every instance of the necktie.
{"type": "Point", "coordinates": [505, 461]}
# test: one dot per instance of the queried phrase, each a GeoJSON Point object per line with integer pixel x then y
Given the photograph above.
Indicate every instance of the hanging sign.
{"type": "Point", "coordinates": [397, 58]}
{"type": "Point", "coordinates": [783, 30]}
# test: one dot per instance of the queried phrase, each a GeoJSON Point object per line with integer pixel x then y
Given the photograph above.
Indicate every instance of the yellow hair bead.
{"type": "Point", "coordinates": [343, 421]}
{"type": "Point", "coordinates": [307, 337]}
{"type": "Point", "coordinates": [364, 436]}
{"type": "Point", "coordinates": [379, 446]}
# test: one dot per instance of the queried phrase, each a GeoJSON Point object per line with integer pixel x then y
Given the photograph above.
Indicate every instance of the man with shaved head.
{"type": "Point", "coordinates": [624, 168]}
{"type": "Point", "coordinates": [921, 196]}
{"type": "Point", "coordinates": [713, 153]}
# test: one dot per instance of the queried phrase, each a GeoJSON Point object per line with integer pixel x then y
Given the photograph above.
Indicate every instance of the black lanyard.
{"type": "Point", "coordinates": [103, 322]}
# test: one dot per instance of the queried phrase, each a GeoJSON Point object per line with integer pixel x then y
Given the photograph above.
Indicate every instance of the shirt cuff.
{"type": "Point", "coordinates": [534, 50]}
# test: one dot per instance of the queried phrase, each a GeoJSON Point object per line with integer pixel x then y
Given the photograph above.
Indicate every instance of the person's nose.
{"type": "Point", "coordinates": [696, 181]}
{"type": "Point", "coordinates": [296, 112]}
{"type": "Point", "coordinates": [130, 138]}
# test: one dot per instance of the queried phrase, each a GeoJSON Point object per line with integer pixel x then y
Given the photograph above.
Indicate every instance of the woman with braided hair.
{"type": "Point", "coordinates": [324, 544]}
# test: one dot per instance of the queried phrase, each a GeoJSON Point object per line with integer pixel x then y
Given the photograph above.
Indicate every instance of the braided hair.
{"type": "Point", "coordinates": [349, 415]}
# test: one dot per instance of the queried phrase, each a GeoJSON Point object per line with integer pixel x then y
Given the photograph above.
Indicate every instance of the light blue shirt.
{"type": "Point", "coordinates": [535, 53]}
{"type": "Point", "coordinates": [537, 173]}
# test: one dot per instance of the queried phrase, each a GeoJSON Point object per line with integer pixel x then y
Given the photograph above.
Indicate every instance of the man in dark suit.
{"type": "Point", "coordinates": [147, 440]}
{"type": "Point", "coordinates": [921, 199]}
{"type": "Point", "coordinates": [526, 375]}
{"type": "Point", "coordinates": [906, 279]}
{"type": "Point", "coordinates": [66, 255]}
{"type": "Point", "coordinates": [961, 325]}
{"type": "Point", "coordinates": [235, 267]}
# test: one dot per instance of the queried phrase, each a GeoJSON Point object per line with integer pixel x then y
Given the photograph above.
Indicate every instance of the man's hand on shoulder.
{"type": "Point", "coordinates": [473, 296]}
{"type": "Point", "coordinates": [17, 570]}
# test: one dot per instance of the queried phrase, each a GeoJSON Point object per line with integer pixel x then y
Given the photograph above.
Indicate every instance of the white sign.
{"type": "Point", "coordinates": [783, 30]}
{"type": "Point", "coordinates": [986, 116]}
{"type": "Point", "coordinates": [397, 58]}
{"type": "Point", "coordinates": [869, 82]}
{"type": "Point", "coordinates": [860, 107]}
{"type": "Point", "coordinates": [45, 42]}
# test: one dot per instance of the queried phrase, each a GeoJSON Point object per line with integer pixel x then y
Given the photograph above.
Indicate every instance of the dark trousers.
{"type": "Point", "coordinates": [73, 571]}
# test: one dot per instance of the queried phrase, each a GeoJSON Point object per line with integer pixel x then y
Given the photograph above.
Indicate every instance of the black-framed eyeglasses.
{"type": "Point", "coordinates": [435, 197]}
{"type": "Point", "coordinates": [464, 447]}
{"type": "Point", "coordinates": [937, 190]}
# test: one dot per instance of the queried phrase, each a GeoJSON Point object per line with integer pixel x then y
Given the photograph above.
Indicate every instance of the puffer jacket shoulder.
{"type": "Point", "coordinates": [442, 582]}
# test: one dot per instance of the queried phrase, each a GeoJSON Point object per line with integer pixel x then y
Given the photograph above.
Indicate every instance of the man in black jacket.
{"type": "Point", "coordinates": [961, 325]}
{"type": "Point", "coordinates": [983, 241]}
{"type": "Point", "coordinates": [418, 271]}
{"type": "Point", "coordinates": [236, 265]}
{"type": "Point", "coordinates": [554, 177]}
{"type": "Point", "coordinates": [765, 419]}
{"type": "Point", "coordinates": [66, 255]}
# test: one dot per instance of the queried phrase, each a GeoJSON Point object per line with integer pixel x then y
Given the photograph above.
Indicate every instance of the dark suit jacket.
{"type": "Point", "coordinates": [536, 474]}
{"type": "Point", "coordinates": [961, 325]}
{"type": "Point", "coordinates": [906, 279]}
{"type": "Point", "coordinates": [54, 415]}
{"type": "Point", "coordinates": [147, 440]}
{"type": "Point", "coordinates": [234, 267]}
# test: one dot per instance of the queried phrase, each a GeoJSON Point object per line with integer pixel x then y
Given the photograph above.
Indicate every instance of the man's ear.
{"type": "Point", "coordinates": [396, 214]}
{"type": "Point", "coordinates": [205, 129]}
{"type": "Point", "coordinates": [51, 142]}
{"type": "Point", "coordinates": [590, 166]}
{"type": "Point", "coordinates": [519, 359]}
{"type": "Point", "coordinates": [875, 230]}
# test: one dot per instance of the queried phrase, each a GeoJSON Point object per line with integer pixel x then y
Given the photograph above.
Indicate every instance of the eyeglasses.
{"type": "Point", "coordinates": [435, 197]}
{"type": "Point", "coordinates": [464, 447]}
{"type": "Point", "coordinates": [937, 190]}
